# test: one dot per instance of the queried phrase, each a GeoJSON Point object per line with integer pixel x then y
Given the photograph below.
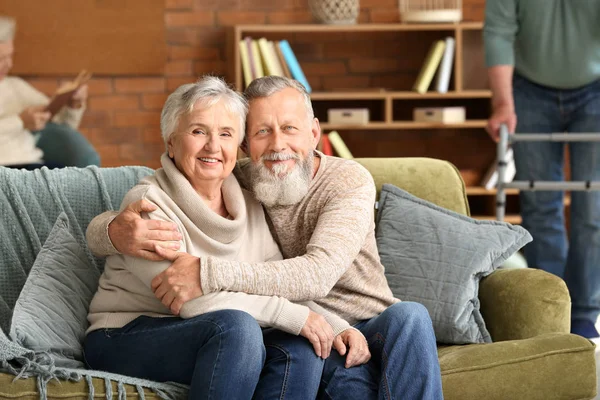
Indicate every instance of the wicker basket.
{"type": "Point", "coordinates": [335, 11]}
{"type": "Point", "coordinates": [434, 11]}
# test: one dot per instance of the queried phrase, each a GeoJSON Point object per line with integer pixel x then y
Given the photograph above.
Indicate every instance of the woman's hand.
{"type": "Point", "coordinates": [319, 333]}
{"type": "Point", "coordinates": [34, 118]}
{"type": "Point", "coordinates": [354, 343]}
{"type": "Point", "coordinates": [179, 283]}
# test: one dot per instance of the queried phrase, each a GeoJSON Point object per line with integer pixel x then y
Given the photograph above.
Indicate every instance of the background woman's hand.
{"type": "Point", "coordinates": [79, 97]}
{"type": "Point", "coordinates": [319, 333]}
{"type": "Point", "coordinates": [354, 346]}
{"type": "Point", "coordinates": [34, 118]}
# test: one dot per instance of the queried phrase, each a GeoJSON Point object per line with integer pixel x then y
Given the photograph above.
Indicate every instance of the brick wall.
{"type": "Point", "coordinates": [122, 120]}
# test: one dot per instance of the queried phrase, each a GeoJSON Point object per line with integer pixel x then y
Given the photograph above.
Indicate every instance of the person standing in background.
{"type": "Point", "coordinates": [543, 59]}
{"type": "Point", "coordinates": [28, 137]}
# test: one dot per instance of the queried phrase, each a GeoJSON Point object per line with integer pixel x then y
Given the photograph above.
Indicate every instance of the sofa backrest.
{"type": "Point", "coordinates": [433, 180]}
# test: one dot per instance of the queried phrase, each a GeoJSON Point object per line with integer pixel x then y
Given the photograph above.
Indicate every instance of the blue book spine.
{"type": "Point", "coordinates": [293, 65]}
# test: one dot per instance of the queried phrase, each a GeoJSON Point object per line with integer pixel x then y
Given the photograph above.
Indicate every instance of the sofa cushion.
{"type": "Point", "coordinates": [51, 312]}
{"type": "Point", "coordinates": [551, 366]}
{"type": "Point", "coordinates": [436, 257]}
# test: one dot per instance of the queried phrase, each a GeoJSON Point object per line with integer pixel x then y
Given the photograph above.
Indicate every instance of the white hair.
{"type": "Point", "coordinates": [7, 29]}
{"type": "Point", "coordinates": [208, 90]}
{"type": "Point", "coordinates": [268, 85]}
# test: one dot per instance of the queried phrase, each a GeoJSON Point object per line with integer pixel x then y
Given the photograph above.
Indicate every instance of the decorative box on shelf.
{"type": "Point", "coordinates": [428, 11]}
{"type": "Point", "coordinates": [442, 115]}
{"type": "Point", "coordinates": [349, 116]}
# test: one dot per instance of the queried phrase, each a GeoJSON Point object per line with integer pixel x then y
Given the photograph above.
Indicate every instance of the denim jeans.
{"type": "Point", "coordinates": [541, 109]}
{"type": "Point", "coordinates": [63, 145]}
{"type": "Point", "coordinates": [221, 355]}
{"type": "Point", "coordinates": [404, 361]}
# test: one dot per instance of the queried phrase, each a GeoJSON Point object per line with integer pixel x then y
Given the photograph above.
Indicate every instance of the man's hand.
{"type": "Point", "coordinates": [353, 340]}
{"type": "Point", "coordinates": [503, 114]}
{"type": "Point", "coordinates": [34, 118]}
{"type": "Point", "coordinates": [137, 237]}
{"type": "Point", "coordinates": [319, 333]}
{"type": "Point", "coordinates": [79, 97]}
{"type": "Point", "coordinates": [179, 283]}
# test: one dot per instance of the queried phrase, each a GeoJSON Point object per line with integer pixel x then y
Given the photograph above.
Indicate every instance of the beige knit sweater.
{"type": "Point", "coordinates": [124, 291]}
{"type": "Point", "coordinates": [328, 242]}
{"type": "Point", "coordinates": [17, 144]}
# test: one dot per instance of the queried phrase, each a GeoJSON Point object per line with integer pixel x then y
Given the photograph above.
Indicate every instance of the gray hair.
{"type": "Point", "coordinates": [268, 85]}
{"type": "Point", "coordinates": [7, 29]}
{"type": "Point", "coordinates": [208, 90]}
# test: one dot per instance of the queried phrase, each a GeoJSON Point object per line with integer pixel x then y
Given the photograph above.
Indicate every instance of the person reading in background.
{"type": "Point", "coordinates": [30, 136]}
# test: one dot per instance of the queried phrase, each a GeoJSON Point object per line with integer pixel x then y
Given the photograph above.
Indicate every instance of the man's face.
{"type": "Point", "coordinates": [281, 141]}
{"type": "Point", "coordinates": [6, 58]}
{"type": "Point", "coordinates": [280, 124]}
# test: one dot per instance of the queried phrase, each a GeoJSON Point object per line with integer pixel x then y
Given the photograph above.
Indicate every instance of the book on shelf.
{"type": "Point", "coordinates": [337, 143]}
{"type": "Point", "coordinates": [445, 70]}
{"type": "Point", "coordinates": [326, 145]}
{"type": "Point", "coordinates": [246, 69]}
{"type": "Point", "coordinates": [65, 93]}
{"type": "Point", "coordinates": [293, 65]}
{"type": "Point", "coordinates": [255, 59]}
{"type": "Point", "coordinates": [270, 61]}
{"type": "Point", "coordinates": [281, 58]}
{"type": "Point", "coordinates": [490, 179]}
{"type": "Point", "coordinates": [430, 65]}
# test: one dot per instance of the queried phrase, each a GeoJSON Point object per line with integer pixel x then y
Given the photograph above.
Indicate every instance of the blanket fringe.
{"type": "Point", "coordinates": [42, 367]}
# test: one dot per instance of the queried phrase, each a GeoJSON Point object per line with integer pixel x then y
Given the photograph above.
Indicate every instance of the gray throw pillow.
{"type": "Point", "coordinates": [437, 257]}
{"type": "Point", "coordinates": [51, 312]}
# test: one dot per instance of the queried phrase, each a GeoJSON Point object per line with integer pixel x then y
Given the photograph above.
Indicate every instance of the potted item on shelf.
{"type": "Point", "coordinates": [335, 11]}
{"type": "Point", "coordinates": [430, 11]}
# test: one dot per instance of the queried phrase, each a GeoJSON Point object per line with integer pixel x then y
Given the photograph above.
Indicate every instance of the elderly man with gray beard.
{"type": "Point", "coordinates": [321, 211]}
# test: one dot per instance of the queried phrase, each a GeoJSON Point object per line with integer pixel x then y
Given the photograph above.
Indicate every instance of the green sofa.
{"type": "Point", "coordinates": [526, 311]}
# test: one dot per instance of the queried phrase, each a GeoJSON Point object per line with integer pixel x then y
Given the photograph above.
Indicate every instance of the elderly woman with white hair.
{"type": "Point", "coordinates": [216, 344]}
{"type": "Point", "coordinates": [29, 138]}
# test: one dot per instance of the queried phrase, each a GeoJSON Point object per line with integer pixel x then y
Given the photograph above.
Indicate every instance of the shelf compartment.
{"type": "Point", "coordinates": [400, 125]}
{"type": "Point", "coordinates": [398, 95]}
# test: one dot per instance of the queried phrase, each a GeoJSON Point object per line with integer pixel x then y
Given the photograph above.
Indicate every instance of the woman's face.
{"type": "Point", "coordinates": [204, 146]}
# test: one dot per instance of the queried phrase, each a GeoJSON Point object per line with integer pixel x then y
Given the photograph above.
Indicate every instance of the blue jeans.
{"type": "Point", "coordinates": [541, 109]}
{"type": "Point", "coordinates": [404, 361]}
{"type": "Point", "coordinates": [63, 145]}
{"type": "Point", "coordinates": [221, 355]}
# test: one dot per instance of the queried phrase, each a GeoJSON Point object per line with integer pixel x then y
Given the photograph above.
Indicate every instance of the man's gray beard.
{"type": "Point", "coordinates": [271, 189]}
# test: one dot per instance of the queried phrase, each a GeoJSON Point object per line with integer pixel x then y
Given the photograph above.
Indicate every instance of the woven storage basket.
{"type": "Point", "coordinates": [335, 11]}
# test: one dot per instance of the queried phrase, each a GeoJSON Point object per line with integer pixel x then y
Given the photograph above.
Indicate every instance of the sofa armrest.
{"type": "Point", "coordinates": [522, 303]}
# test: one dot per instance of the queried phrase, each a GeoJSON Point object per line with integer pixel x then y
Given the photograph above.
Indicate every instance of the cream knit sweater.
{"type": "Point", "coordinates": [124, 291]}
{"type": "Point", "coordinates": [17, 144]}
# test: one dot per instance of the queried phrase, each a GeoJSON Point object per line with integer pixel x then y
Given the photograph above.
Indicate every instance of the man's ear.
{"type": "Point", "coordinates": [316, 132]}
{"type": "Point", "coordinates": [170, 151]}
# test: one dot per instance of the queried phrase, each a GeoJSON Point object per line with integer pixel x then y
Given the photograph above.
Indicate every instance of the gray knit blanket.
{"type": "Point", "coordinates": [30, 202]}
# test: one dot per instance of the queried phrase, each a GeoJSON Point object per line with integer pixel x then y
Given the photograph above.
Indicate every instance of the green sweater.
{"type": "Point", "coordinates": [554, 43]}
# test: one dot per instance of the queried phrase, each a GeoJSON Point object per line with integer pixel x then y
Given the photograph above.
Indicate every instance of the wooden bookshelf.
{"type": "Point", "coordinates": [391, 132]}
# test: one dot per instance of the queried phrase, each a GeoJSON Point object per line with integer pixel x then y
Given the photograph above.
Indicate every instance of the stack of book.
{"type": "Point", "coordinates": [439, 58]}
{"type": "Point", "coordinates": [262, 57]}
{"type": "Point", "coordinates": [333, 142]}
